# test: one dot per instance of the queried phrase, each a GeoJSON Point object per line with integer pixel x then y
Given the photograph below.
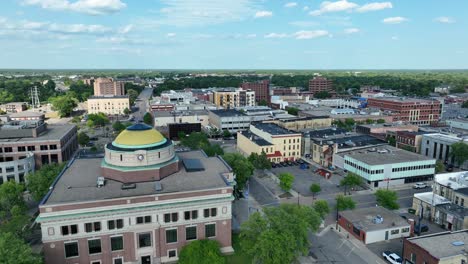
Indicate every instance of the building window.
{"type": "Point", "coordinates": [405, 230]}
{"type": "Point", "coordinates": [71, 229]}
{"type": "Point", "coordinates": [462, 202]}
{"type": "Point", "coordinates": [144, 240]}
{"type": "Point", "coordinates": [172, 253]}
{"type": "Point", "coordinates": [71, 250]}
{"type": "Point", "coordinates": [118, 261]}
{"type": "Point", "coordinates": [113, 224]}
{"type": "Point", "coordinates": [210, 230]}
{"type": "Point", "coordinates": [94, 246]}
{"type": "Point", "coordinates": [174, 217]}
{"type": "Point", "coordinates": [21, 149]}
{"type": "Point", "coordinates": [395, 231]}
{"type": "Point", "coordinates": [116, 243]}
{"type": "Point", "coordinates": [8, 149]}
{"type": "Point", "coordinates": [413, 257]}
{"type": "Point", "coordinates": [53, 146]}
{"type": "Point", "coordinates": [143, 219]}
{"type": "Point", "coordinates": [96, 262]}
{"type": "Point", "coordinates": [210, 212]}
{"type": "Point", "coordinates": [31, 148]}
{"type": "Point", "coordinates": [190, 233]}
{"type": "Point", "coordinates": [190, 215]}
{"type": "Point", "coordinates": [171, 236]}
{"type": "Point", "coordinates": [44, 147]}
{"type": "Point", "coordinates": [92, 227]}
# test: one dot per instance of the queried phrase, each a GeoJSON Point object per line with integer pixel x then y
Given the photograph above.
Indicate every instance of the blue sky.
{"type": "Point", "coordinates": [234, 34]}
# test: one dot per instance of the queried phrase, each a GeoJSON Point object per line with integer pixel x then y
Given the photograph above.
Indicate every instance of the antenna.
{"type": "Point", "coordinates": [35, 97]}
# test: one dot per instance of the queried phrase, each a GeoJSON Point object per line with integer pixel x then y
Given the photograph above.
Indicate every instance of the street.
{"type": "Point", "coordinates": [142, 103]}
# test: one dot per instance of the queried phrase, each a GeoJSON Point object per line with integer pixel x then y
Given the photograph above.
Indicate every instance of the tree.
{"type": "Point", "coordinates": [64, 105]}
{"type": "Point", "coordinates": [380, 121]}
{"type": "Point", "coordinates": [132, 95]}
{"type": "Point", "coordinates": [259, 161]}
{"type": "Point", "coordinates": [322, 208]}
{"type": "Point", "coordinates": [98, 120]}
{"type": "Point", "coordinates": [195, 140]}
{"type": "Point", "coordinates": [439, 167]}
{"type": "Point", "coordinates": [286, 181]}
{"type": "Point", "coordinates": [15, 250]}
{"type": "Point", "coordinates": [126, 111]}
{"type": "Point", "coordinates": [391, 141]}
{"type": "Point", "coordinates": [322, 95]}
{"type": "Point", "coordinates": [464, 104]}
{"type": "Point", "coordinates": [118, 126]}
{"type": "Point", "coordinates": [204, 251]}
{"type": "Point", "coordinates": [387, 199]}
{"type": "Point", "coordinates": [369, 121]}
{"type": "Point", "coordinates": [292, 110]}
{"type": "Point", "coordinates": [263, 102]}
{"type": "Point", "coordinates": [83, 138]}
{"type": "Point", "coordinates": [226, 134]}
{"type": "Point", "coordinates": [344, 203]}
{"type": "Point", "coordinates": [351, 180]}
{"type": "Point", "coordinates": [280, 234]}
{"type": "Point", "coordinates": [314, 189]}
{"type": "Point", "coordinates": [212, 150]}
{"type": "Point", "coordinates": [459, 152]}
{"type": "Point", "coordinates": [241, 167]}
{"type": "Point", "coordinates": [11, 195]}
{"type": "Point", "coordinates": [148, 119]}
{"type": "Point", "coordinates": [40, 181]}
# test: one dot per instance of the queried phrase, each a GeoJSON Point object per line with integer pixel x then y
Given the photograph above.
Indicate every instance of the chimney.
{"type": "Point", "coordinates": [411, 222]}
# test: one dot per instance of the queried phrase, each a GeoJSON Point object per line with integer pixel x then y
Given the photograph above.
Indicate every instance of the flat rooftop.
{"type": "Point", "coordinates": [179, 113]}
{"type": "Point", "coordinates": [326, 132]}
{"type": "Point", "coordinates": [441, 245]}
{"type": "Point", "coordinates": [386, 125]}
{"type": "Point", "coordinates": [351, 141]}
{"type": "Point", "coordinates": [258, 140]}
{"type": "Point", "coordinates": [391, 155]}
{"type": "Point", "coordinates": [363, 218]}
{"type": "Point", "coordinates": [109, 96]}
{"type": "Point", "coordinates": [431, 198]}
{"type": "Point", "coordinates": [406, 99]}
{"type": "Point", "coordinates": [78, 182]}
{"type": "Point", "coordinates": [227, 113]}
{"type": "Point", "coordinates": [53, 132]}
{"type": "Point", "coordinates": [273, 129]}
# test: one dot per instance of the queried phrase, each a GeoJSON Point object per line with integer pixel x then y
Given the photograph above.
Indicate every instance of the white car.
{"type": "Point", "coordinates": [420, 185]}
{"type": "Point", "coordinates": [392, 257]}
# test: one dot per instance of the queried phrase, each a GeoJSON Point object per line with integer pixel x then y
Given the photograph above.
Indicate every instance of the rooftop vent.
{"type": "Point", "coordinates": [192, 165]}
{"type": "Point", "coordinates": [378, 219]}
{"type": "Point", "coordinates": [158, 186]}
{"type": "Point", "coordinates": [100, 182]}
{"type": "Point", "coordinates": [458, 243]}
{"type": "Point", "coordinates": [381, 151]}
{"type": "Point", "coordinates": [128, 186]}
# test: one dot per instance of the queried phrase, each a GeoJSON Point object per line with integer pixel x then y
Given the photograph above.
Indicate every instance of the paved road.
{"type": "Point", "coordinates": [142, 103]}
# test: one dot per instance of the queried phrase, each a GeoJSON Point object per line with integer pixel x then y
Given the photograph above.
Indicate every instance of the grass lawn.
{"type": "Point", "coordinates": [238, 257]}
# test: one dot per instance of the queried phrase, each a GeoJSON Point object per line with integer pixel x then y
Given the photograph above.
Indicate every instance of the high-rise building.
{"type": "Point", "coordinates": [320, 84]}
{"type": "Point", "coordinates": [261, 89]}
{"type": "Point", "coordinates": [107, 86]}
{"type": "Point", "coordinates": [232, 98]}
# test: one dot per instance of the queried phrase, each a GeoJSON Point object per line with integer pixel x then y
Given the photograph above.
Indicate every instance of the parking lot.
{"type": "Point", "coordinates": [305, 177]}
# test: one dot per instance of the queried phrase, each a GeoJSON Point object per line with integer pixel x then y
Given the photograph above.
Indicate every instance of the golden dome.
{"type": "Point", "coordinates": [139, 136]}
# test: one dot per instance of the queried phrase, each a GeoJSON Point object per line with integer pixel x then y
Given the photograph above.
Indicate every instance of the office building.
{"type": "Point", "coordinates": [141, 203]}
{"type": "Point", "coordinates": [261, 89]}
{"type": "Point", "coordinates": [14, 107]}
{"type": "Point", "coordinates": [412, 110]}
{"type": "Point", "coordinates": [459, 123]}
{"type": "Point", "coordinates": [109, 105]}
{"type": "Point", "coordinates": [384, 128]}
{"type": "Point", "coordinates": [107, 86]}
{"type": "Point", "coordinates": [25, 145]}
{"type": "Point", "coordinates": [304, 123]}
{"type": "Point", "coordinates": [439, 248]}
{"type": "Point", "coordinates": [437, 146]}
{"type": "Point", "coordinates": [410, 141]}
{"type": "Point", "coordinates": [279, 144]}
{"type": "Point", "coordinates": [186, 128]}
{"type": "Point", "coordinates": [320, 84]}
{"type": "Point", "coordinates": [383, 166]}
{"type": "Point", "coordinates": [164, 118]}
{"type": "Point", "coordinates": [177, 97]}
{"type": "Point", "coordinates": [230, 120]}
{"type": "Point", "coordinates": [27, 115]}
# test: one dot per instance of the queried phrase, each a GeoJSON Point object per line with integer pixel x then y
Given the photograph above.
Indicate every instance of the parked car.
{"type": "Point", "coordinates": [290, 163]}
{"type": "Point", "coordinates": [301, 161]}
{"type": "Point", "coordinates": [449, 167]}
{"type": "Point", "coordinates": [420, 185]}
{"type": "Point", "coordinates": [273, 165]}
{"type": "Point", "coordinates": [424, 228]}
{"type": "Point", "coordinates": [392, 257]}
{"type": "Point", "coordinates": [283, 164]}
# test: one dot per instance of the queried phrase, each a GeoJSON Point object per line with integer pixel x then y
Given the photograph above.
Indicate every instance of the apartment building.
{"type": "Point", "coordinates": [320, 84]}
{"type": "Point", "coordinates": [107, 86]}
{"type": "Point", "coordinates": [140, 204]}
{"type": "Point", "coordinates": [232, 98]}
{"type": "Point", "coordinates": [261, 89]}
{"type": "Point", "coordinates": [412, 110]}
{"type": "Point", "coordinates": [279, 144]}
{"type": "Point", "coordinates": [410, 141]}
{"type": "Point", "coordinates": [109, 105]}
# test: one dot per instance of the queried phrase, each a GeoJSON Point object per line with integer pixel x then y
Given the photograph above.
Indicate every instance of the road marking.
{"type": "Point", "coordinates": [351, 251]}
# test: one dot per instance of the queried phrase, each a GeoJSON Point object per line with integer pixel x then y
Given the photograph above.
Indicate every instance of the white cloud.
{"type": "Point", "coordinates": [78, 28]}
{"type": "Point", "coordinates": [304, 24]}
{"type": "Point", "coordinates": [126, 29]}
{"type": "Point", "coordinates": [350, 31]}
{"type": "Point", "coordinates": [171, 35]}
{"type": "Point", "coordinates": [260, 14]}
{"type": "Point", "coordinates": [394, 20]}
{"type": "Point", "coordinates": [91, 7]}
{"type": "Point", "coordinates": [305, 8]}
{"type": "Point", "coordinates": [251, 36]}
{"type": "Point", "coordinates": [290, 4]}
{"type": "Point", "coordinates": [303, 34]}
{"type": "Point", "coordinates": [330, 7]}
{"type": "Point", "coordinates": [276, 35]}
{"type": "Point", "coordinates": [395, 38]}
{"type": "Point", "coordinates": [374, 7]}
{"type": "Point", "coordinates": [445, 20]}
{"type": "Point", "coordinates": [184, 13]}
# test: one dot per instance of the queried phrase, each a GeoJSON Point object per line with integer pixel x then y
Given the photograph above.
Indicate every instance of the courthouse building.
{"type": "Point", "coordinates": [140, 204]}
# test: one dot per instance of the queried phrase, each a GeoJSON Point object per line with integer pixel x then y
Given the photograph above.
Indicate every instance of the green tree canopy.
{"type": "Point", "coordinates": [83, 138]}
{"type": "Point", "coordinates": [204, 251]}
{"type": "Point", "coordinates": [286, 181]}
{"type": "Point", "coordinates": [212, 150]}
{"type": "Point", "coordinates": [241, 167]}
{"type": "Point", "coordinates": [279, 235]}
{"type": "Point", "coordinates": [322, 95]}
{"type": "Point", "coordinates": [322, 208]}
{"type": "Point", "coordinates": [99, 119]}
{"type": "Point", "coordinates": [80, 90]}
{"type": "Point", "coordinates": [439, 167]}
{"type": "Point", "coordinates": [148, 119]}
{"type": "Point", "coordinates": [126, 111]}
{"type": "Point", "coordinates": [387, 199]}
{"type": "Point", "coordinates": [351, 180]}
{"type": "Point", "coordinates": [64, 105]}
{"type": "Point", "coordinates": [292, 110]}
{"type": "Point", "coordinates": [13, 217]}
{"type": "Point", "coordinates": [259, 161]}
{"type": "Point", "coordinates": [459, 152]}
{"type": "Point", "coordinates": [132, 95]}
{"type": "Point", "coordinates": [118, 126]}
{"type": "Point", "coordinates": [314, 189]}
{"type": "Point", "coordinates": [344, 203]}
{"type": "Point", "coordinates": [11, 195]}
{"type": "Point", "coordinates": [40, 181]}
{"type": "Point", "coordinates": [226, 133]}
{"type": "Point", "coordinates": [14, 250]}
{"type": "Point", "coordinates": [380, 121]}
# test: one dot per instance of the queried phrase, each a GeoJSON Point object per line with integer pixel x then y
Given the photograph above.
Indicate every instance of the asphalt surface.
{"type": "Point", "coordinates": [142, 104]}
{"type": "Point", "coordinates": [261, 194]}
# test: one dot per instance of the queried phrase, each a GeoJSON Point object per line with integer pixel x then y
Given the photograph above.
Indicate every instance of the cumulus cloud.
{"type": "Point", "coordinates": [330, 7]}
{"type": "Point", "coordinates": [350, 31]}
{"type": "Point", "coordinates": [394, 20]}
{"type": "Point", "coordinates": [374, 7]}
{"type": "Point", "coordinates": [276, 35]}
{"type": "Point", "coordinates": [171, 35]}
{"type": "Point", "coordinates": [304, 34]}
{"type": "Point", "coordinates": [290, 4]}
{"type": "Point", "coordinates": [91, 7]}
{"type": "Point", "coordinates": [445, 20]}
{"type": "Point", "coordinates": [126, 29]}
{"type": "Point", "coordinates": [305, 8]}
{"type": "Point", "coordinates": [260, 14]}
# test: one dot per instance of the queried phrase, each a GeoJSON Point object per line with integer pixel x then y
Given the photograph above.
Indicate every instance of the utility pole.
{"type": "Point", "coordinates": [35, 97]}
